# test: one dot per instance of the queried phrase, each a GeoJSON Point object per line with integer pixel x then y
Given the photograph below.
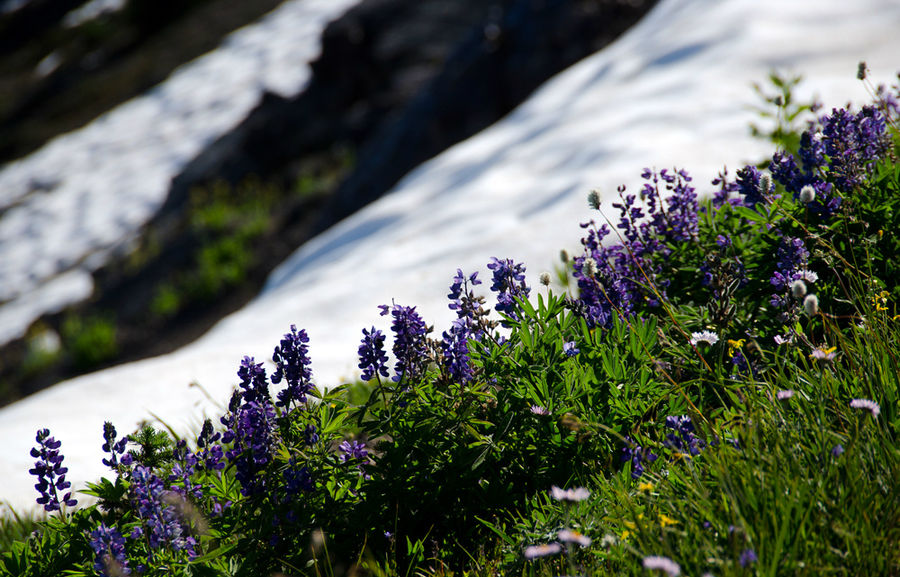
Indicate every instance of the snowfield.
{"type": "Point", "coordinates": [674, 91]}
{"type": "Point", "coordinates": [64, 208]}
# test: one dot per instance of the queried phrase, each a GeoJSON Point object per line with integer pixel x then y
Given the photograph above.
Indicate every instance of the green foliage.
{"type": "Point", "coordinates": [89, 341]}
{"type": "Point", "coordinates": [781, 112]}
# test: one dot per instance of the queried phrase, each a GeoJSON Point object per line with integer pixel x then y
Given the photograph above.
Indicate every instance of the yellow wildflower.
{"type": "Point", "coordinates": [645, 487]}
{"type": "Point", "coordinates": [735, 345]}
{"type": "Point", "coordinates": [665, 520]}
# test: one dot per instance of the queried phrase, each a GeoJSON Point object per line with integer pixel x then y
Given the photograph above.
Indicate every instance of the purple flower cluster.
{"type": "Point", "coordinates": [183, 471]}
{"type": "Point", "coordinates": [682, 438]}
{"type": "Point", "coordinates": [470, 315]}
{"type": "Point", "coordinates": [790, 258]}
{"type": "Point", "coordinates": [372, 357]}
{"type": "Point", "coordinates": [109, 552]}
{"type": "Point", "coordinates": [209, 452]}
{"type": "Point", "coordinates": [455, 351]}
{"type": "Point", "coordinates": [410, 344]}
{"type": "Point", "coordinates": [637, 455]}
{"type": "Point", "coordinates": [254, 384]}
{"type": "Point", "coordinates": [155, 507]}
{"type": "Point", "coordinates": [354, 451]}
{"type": "Point", "coordinates": [465, 303]}
{"type": "Point", "coordinates": [252, 432]}
{"type": "Point", "coordinates": [617, 278]}
{"type": "Point", "coordinates": [297, 479]}
{"type": "Point", "coordinates": [508, 281]}
{"type": "Point", "coordinates": [292, 365]}
{"type": "Point", "coordinates": [840, 151]}
{"type": "Point", "coordinates": [753, 187]}
{"type": "Point", "coordinates": [114, 448]}
{"type": "Point", "coordinates": [50, 473]}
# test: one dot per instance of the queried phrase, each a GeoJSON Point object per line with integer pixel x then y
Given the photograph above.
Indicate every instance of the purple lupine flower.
{"type": "Point", "coordinates": [509, 283]}
{"type": "Point", "coordinates": [109, 552]}
{"type": "Point", "coordinates": [682, 439]}
{"type": "Point", "coordinates": [410, 345]}
{"type": "Point", "coordinates": [637, 455]}
{"type": "Point", "coordinates": [748, 183]}
{"type": "Point", "coordinates": [153, 505]}
{"type": "Point", "coordinates": [837, 450]}
{"type": "Point", "coordinates": [182, 471]}
{"type": "Point", "coordinates": [210, 454]}
{"type": "Point", "coordinates": [372, 358]}
{"type": "Point", "coordinates": [570, 349]}
{"type": "Point", "coordinates": [50, 473]}
{"type": "Point", "coordinates": [296, 479]}
{"type": "Point", "coordinates": [353, 450]}
{"type": "Point", "coordinates": [748, 557]}
{"type": "Point", "coordinates": [459, 290]}
{"type": "Point", "coordinates": [253, 438]}
{"type": "Point", "coordinates": [254, 385]}
{"type": "Point", "coordinates": [790, 259]}
{"type": "Point", "coordinates": [853, 142]}
{"type": "Point", "coordinates": [311, 435]}
{"type": "Point", "coordinates": [615, 279]}
{"type": "Point", "coordinates": [111, 446]}
{"type": "Point", "coordinates": [467, 306]}
{"type": "Point", "coordinates": [455, 350]}
{"type": "Point", "coordinates": [292, 365]}
{"type": "Point", "coordinates": [724, 191]}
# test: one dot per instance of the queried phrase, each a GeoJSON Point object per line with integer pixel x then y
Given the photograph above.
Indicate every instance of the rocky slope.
{"type": "Point", "coordinates": [398, 81]}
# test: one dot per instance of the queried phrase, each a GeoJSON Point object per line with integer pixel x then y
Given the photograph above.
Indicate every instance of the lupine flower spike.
{"type": "Point", "coordinates": [50, 473]}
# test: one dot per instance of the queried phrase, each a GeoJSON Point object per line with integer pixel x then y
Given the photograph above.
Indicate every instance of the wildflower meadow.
{"type": "Point", "coordinates": [710, 387]}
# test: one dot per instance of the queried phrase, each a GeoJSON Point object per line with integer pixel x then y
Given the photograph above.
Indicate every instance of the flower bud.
{"type": "Point", "coordinates": [811, 305]}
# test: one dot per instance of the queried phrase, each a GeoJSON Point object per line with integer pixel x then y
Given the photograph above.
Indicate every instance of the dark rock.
{"type": "Point", "coordinates": [399, 81]}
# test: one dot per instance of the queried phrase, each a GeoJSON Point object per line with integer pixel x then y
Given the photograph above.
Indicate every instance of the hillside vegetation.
{"type": "Point", "coordinates": [713, 390]}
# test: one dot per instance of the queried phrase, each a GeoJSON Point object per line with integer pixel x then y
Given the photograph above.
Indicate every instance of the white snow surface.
{"type": "Point", "coordinates": [64, 208]}
{"type": "Point", "coordinates": [673, 91]}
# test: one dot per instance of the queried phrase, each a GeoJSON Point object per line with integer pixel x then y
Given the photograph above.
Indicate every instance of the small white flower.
{"type": "Point", "coordinates": [867, 404]}
{"type": "Point", "coordinates": [780, 340]}
{"type": "Point", "coordinates": [567, 536]}
{"type": "Point", "coordinates": [538, 410]}
{"type": "Point", "coordinates": [807, 194]}
{"type": "Point", "coordinates": [542, 550]}
{"type": "Point", "coordinates": [806, 275]}
{"type": "Point", "coordinates": [608, 541]}
{"type": "Point", "coordinates": [708, 337]}
{"type": "Point", "coordinates": [811, 305]}
{"type": "Point", "coordinates": [798, 289]}
{"type": "Point", "coordinates": [544, 278]}
{"type": "Point", "coordinates": [659, 563]}
{"type": "Point", "coordinates": [784, 395]}
{"type": "Point", "coordinates": [574, 495]}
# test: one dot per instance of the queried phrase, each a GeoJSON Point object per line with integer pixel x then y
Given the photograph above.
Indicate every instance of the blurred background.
{"type": "Point", "coordinates": [159, 158]}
